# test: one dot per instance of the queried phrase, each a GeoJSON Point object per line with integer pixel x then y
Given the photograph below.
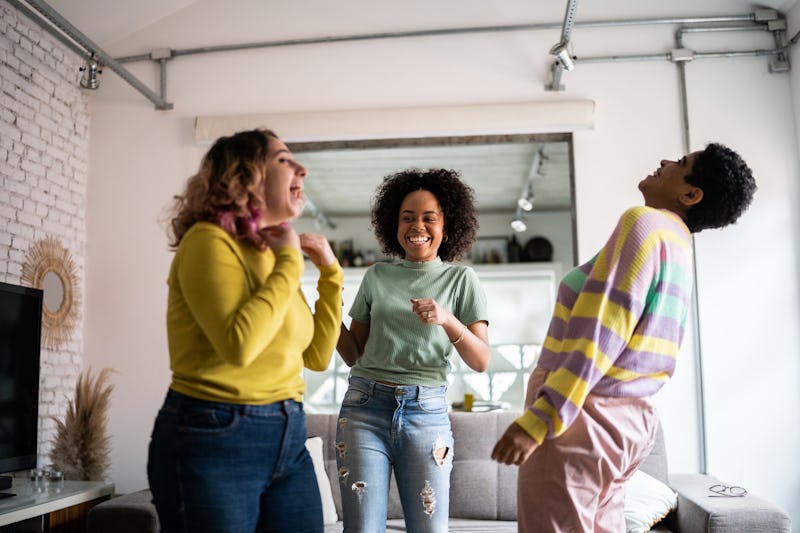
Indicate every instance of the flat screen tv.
{"type": "Point", "coordinates": [20, 342]}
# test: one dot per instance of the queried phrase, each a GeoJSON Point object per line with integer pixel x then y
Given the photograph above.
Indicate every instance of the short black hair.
{"type": "Point", "coordinates": [456, 199]}
{"type": "Point", "coordinates": [728, 188]}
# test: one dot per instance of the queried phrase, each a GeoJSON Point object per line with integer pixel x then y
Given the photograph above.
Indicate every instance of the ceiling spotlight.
{"type": "Point", "coordinates": [518, 225]}
{"type": "Point", "coordinates": [525, 203]}
{"type": "Point", "coordinates": [562, 55]}
{"type": "Point", "coordinates": [89, 80]}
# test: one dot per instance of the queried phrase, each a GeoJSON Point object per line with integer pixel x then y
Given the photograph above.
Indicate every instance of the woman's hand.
{"type": "Point", "coordinates": [471, 341]}
{"type": "Point", "coordinates": [317, 248]}
{"type": "Point", "coordinates": [281, 236]}
{"type": "Point", "coordinates": [429, 311]}
{"type": "Point", "coordinates": [514, 447]}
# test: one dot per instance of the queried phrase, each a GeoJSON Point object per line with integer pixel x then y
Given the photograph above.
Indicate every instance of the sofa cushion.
{"type": "Point", "coordinates": [131, 513]}
{"type": "Point", "coordinates": [647, 501]}
{"type": "Point", "coordinates": [473, 490]}
{"type": "Point", "coordinates": [481, 488]}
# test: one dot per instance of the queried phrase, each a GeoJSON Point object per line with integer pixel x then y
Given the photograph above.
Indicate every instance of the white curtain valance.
{"type": "Point", "coordinates": [404, 122]}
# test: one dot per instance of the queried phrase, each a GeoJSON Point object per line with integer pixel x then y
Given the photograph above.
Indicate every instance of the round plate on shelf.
{"type": "Point", "coordinates": [538, 249]}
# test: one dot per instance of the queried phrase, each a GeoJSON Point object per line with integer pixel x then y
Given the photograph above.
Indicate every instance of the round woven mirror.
{"type": "Point", "coordinates": [49, 266]}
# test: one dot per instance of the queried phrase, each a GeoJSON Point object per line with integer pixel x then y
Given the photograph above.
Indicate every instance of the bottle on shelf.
{"type": "Point", "coordinates": [514, 250]}
{"type": "Point", "coordinates": [346, 253]}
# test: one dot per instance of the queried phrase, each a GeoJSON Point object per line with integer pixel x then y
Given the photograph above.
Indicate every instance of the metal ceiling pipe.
{"type": "Point", "coordinates": [160, 102]}
{"type": "Point", "coordinates": [557, 68]}
{"type": "Point", "coordinates": [569, 20]}
{"type": "Point", "coordinates": [69, 43]}
{"type": "Point", "coordinates": [780, 62]}
{"type": "Point", "coordinates": [561, 49]}
{"type": "Point", "coordinates": [52, 22]}
{"type": "Point", "coordinates": [445, 31]}
{"type": "Point", "coordinates": [668, 56]}
{"type": "Point", "coordinates": [711, 29]}
{"type": "Point", "coordinates": [695, 55]}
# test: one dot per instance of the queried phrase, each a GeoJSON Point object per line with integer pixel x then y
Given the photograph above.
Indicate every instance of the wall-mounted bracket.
{"type": "Point", "coordinates": [556, 70]}
{"type": "Point", "coordinates": [678, 55]}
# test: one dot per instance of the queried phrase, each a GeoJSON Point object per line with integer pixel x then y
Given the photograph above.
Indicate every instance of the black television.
{"type": "Point", "coordinates": [20, 344]}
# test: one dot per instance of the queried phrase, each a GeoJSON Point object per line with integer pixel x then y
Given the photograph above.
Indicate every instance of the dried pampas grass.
{"type": "Point", "coordinates": [82, 445]}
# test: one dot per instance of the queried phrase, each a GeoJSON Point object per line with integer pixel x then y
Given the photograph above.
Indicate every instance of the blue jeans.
{"type": "Point", "coordinates": [230, 468]}
{"type": "Point", "coordinates": [407, 428]}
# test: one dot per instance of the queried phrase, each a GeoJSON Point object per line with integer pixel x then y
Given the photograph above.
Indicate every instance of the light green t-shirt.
{"type": "Point", "coordinates": [400, 348]}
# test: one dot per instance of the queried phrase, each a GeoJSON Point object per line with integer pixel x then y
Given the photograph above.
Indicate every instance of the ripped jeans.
{"type": "Point", "coordinates": [405, 428]}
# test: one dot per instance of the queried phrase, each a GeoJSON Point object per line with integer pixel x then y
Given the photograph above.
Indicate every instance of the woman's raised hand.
{"type": "Point", "coordinates": [317, 248]}
{"type": "Point", "coordinates": [280, 236]}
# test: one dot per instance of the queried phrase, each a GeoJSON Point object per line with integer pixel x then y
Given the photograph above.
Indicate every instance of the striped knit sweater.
{"type": "Point", "coordinates": [618, 321]}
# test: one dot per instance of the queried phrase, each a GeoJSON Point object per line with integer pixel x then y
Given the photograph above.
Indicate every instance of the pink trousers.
{"type": "Point", "coordinates": [575, 483]}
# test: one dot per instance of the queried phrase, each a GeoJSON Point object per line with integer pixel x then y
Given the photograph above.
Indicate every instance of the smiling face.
{"type": "Point", "coordinates": [283, 184]}
{"type": "Point", "coordinates": [420, 226]}
{"type": "Point", "coordinates": [666, 188]}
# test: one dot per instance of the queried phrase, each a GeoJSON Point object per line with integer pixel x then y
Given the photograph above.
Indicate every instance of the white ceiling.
{"type": "Point", "coordinates": [109, 21]}
{"type": "Point", "coordinates": [345, 179]}
{"type": "Point", "coordinates": [106, 21]}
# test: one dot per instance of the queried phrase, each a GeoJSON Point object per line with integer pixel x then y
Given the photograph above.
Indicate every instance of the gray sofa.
{"type": "Point", "coordinates": [483, 493]}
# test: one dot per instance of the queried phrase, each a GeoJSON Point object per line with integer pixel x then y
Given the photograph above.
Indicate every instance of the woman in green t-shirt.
{"type": "Point", "coordinates": [407, 319]}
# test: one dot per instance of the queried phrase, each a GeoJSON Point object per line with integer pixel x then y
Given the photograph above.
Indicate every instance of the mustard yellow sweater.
{"type": "Point", "coordinates": [238, 326]}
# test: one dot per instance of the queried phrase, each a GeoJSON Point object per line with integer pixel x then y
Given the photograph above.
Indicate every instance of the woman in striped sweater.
{"type": "Point", "coordinates": [617, 325]}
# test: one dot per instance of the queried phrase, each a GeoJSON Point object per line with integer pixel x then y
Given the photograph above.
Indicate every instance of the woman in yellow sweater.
{"type": "Point", "coordinates": [227, 453]}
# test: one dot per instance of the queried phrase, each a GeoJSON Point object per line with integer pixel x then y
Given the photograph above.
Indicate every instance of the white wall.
{"type": "Point", "coordinates": [747, 274]}
{"type": "Point", "coordinates": [44, 152]}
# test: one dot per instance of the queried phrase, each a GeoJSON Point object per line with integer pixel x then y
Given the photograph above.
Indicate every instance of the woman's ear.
{"type": "Point", "coordinates": [691, 196]}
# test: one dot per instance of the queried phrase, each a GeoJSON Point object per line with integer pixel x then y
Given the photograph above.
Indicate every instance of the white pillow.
{"type": "Point", "coordinates": [314, 447]}
{"type": "Point", "coordinates": [647, 500]}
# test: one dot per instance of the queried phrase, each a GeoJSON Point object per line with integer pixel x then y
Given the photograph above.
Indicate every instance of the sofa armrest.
{"type": "Point", "coordinates": [699, 511]}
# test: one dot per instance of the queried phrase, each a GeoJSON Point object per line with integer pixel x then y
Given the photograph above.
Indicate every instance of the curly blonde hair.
{"type": "Point", "coordinates": [228, 190]}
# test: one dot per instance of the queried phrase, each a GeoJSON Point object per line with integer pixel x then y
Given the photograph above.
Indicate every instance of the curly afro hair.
{"type": "Point", "coordinates": [455, 198]}
{"type": "Point", "coordinates": [728, 187]}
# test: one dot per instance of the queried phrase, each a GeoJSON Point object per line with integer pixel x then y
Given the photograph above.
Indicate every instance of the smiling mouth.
{"type": "Point", "coordinates": [418, 239]}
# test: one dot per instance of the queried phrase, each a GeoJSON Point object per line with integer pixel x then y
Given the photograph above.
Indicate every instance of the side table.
{"type": "Point", "coordinates": [51, 507]}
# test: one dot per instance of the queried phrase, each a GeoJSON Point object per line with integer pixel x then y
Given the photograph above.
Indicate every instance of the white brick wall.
{"type": "Point", "coordinates": [44, 133]}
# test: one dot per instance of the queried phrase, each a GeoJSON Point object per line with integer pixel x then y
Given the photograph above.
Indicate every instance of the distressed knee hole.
{"type": "Point", "coordinates": [359, 487]}
{"type": "Point", "coordinates": [343, 473]}
{"type": "Point", "coordinates": [428, 498]}
{"type": "Point", "coordinates": [439, 455]}
{"type": "Point", "coordinates": [440, 450]}
{"type": "Point", "coordinates": [342, 422]}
